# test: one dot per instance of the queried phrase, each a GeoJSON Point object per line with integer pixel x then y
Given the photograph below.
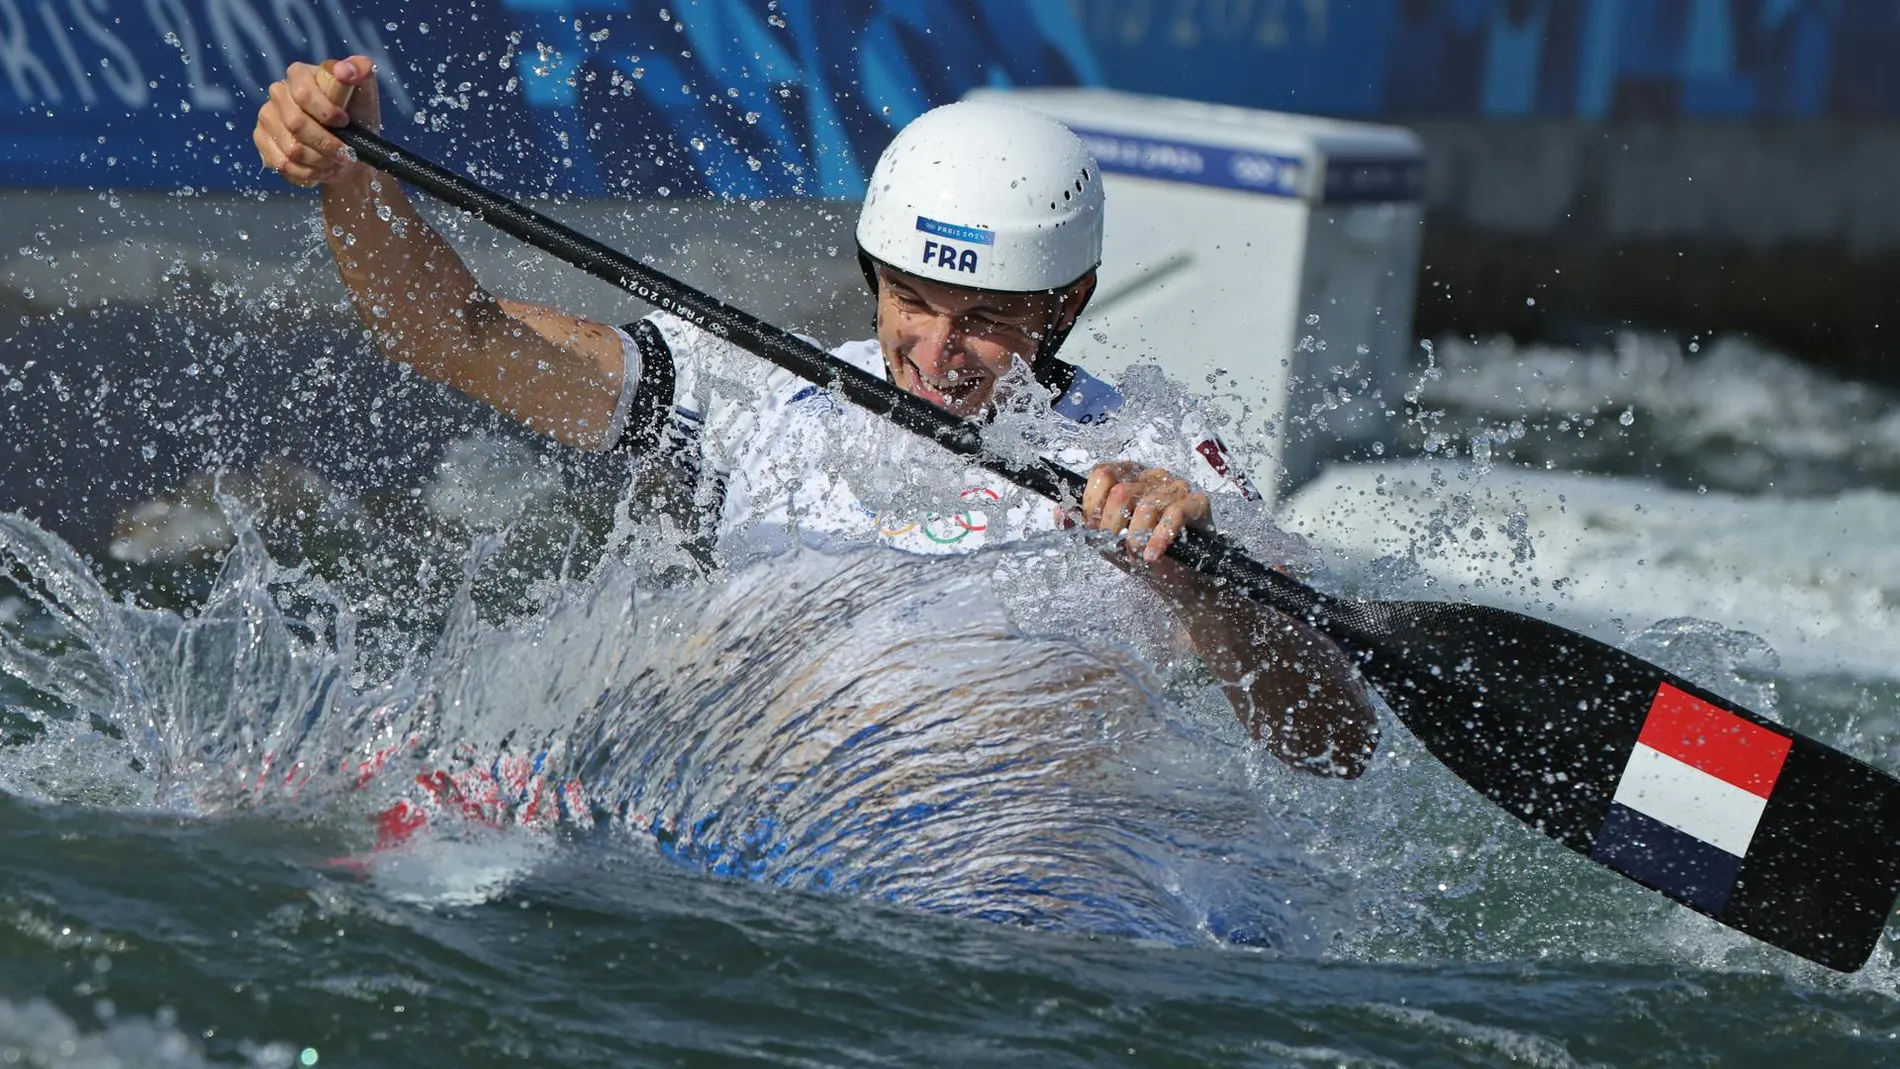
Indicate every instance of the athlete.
{"type": "Point", "coordinates": [980, 236]}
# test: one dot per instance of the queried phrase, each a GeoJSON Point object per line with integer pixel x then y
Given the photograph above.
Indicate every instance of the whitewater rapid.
{"type": "Point", "coordinates": [867, 723]}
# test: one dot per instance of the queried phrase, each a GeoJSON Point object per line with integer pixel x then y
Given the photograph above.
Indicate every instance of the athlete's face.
{"type": "Point", "coordinates": [952, 346]}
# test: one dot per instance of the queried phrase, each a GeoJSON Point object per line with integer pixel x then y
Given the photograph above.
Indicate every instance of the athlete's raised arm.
{"type": "Point", "coordinates": [555, 372]}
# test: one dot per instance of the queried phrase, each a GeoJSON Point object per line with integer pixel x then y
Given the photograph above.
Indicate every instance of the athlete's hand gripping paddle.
{"type": "Point", "coordinates": [1766, 831]}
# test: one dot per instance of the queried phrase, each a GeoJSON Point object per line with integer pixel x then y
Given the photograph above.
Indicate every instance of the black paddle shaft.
{"type": "Point", "coordinates": [1541, 720]}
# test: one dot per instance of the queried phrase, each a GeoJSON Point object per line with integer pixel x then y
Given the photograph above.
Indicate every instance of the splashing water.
{"type": "Point", "coordinates": [866, 723]}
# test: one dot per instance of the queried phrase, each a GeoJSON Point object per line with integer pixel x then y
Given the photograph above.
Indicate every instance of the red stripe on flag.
{"type": "Point", "coordinates": [1711, 738]}
{"type": "Point", "coordinates": [1215, 454]}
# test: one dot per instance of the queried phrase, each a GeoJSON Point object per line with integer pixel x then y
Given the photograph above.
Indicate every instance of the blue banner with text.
{"type": "Point", "coordinates": [761, 98]}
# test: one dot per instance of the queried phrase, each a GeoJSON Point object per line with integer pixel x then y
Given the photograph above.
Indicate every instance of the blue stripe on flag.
{"type": "Point", "coordinates": [1676, 863]}
{"type": "Point", "coordinates": [975, 235]}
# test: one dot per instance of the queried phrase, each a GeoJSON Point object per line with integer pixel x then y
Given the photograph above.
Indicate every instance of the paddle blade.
{"type": "Point", "coordinates": [1738, 818]}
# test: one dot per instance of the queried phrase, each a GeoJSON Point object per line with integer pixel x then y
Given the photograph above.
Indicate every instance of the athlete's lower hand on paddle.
{"type": "Point", "coordinates": [1147, 507]}
{"type": "Point", "coordinates": [1291, 686]}
{"type": "Point", "coordinates": [293, 127]}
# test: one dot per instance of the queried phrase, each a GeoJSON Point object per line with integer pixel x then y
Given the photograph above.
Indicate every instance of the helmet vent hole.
{"type": "Point", "coordinates": [1065, 194]}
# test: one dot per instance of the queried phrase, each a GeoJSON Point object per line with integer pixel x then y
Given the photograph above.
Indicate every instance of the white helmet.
{"type": "Point", "coordinates": [986, 195]}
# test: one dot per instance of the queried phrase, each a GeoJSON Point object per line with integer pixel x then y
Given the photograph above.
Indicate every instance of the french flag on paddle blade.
{"type": "Point", "coordinates": [1690, 799]}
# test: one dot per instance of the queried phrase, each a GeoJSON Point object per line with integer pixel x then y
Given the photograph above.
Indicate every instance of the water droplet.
{"type": "Point", "coordinates": [597, 35]}
{"type": "Point", "coordinates": [1628, 417]}
{"type": "Point", "coordinates": [1312, 319]}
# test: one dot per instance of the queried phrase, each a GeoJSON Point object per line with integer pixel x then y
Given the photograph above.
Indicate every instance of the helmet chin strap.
{"type": "Point", "coordinates": [1054, 375]}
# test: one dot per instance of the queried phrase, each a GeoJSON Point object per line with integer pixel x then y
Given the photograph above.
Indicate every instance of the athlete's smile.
{"type": "Point", "coordinates": [957, 389]}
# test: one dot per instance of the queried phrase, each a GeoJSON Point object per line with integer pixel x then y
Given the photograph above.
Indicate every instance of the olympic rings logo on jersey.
{"type": "Point", "coordinates": [966, 522]}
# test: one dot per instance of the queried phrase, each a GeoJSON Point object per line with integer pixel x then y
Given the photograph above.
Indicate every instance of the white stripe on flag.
{"type": "Point", "coordinates": [1690, 800]}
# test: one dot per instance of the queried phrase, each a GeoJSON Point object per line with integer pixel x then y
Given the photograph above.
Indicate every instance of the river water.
{"type": "Point", "coordinates": [856, 808]}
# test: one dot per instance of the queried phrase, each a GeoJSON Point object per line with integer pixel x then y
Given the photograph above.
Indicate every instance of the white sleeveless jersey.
{"type": "Point", "coordinates": [798, 465]}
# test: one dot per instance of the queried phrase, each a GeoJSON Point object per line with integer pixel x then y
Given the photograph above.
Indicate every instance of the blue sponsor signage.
{"type": "Point", "coordinates": [1252, 171]}
{"type": "Point", "coordinates": [163, 93]}
{"type": "Point", "coordinates": [760, 98]}
{"type": "Point", "coordinates": [1208, 165]}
